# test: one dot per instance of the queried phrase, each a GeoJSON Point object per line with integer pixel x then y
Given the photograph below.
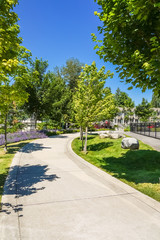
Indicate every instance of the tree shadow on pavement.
{"type": "Point", "coordinates": [58, 136]}
{"type": "Point", "coordinates": [22, 181]}
{"type": "Point", "coordinates": [32, 147]}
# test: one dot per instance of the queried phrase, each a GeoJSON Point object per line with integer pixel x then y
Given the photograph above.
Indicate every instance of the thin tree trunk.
{"type": "Point", "coordinates": [35, 116]}
{"type": "Point", "coordinates": [85, 144]}
{"type": "Point", "coordinates": [5, 134]}
{"type": "Point", "coordinates": [81, 135]}
{"type": "Point", "coordinates": [81, 132]}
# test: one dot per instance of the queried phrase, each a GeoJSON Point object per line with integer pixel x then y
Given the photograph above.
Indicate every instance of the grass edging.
{"type": "Point", "coordinates": [6, 160]}
{"type": "Point", "coordinates": [143, 177]}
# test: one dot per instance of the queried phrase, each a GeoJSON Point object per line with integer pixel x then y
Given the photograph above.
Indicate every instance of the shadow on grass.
{"type": "Point", "coordinates": [99, 146]}
{"type": "Point", "coordinates": [22, 182]}
{"type": "Point", "coordinates": [142, 166]}
{"type": "Point", "coordinates": [13, 148]}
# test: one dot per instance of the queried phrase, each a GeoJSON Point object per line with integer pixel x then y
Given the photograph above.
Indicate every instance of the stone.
{"type": "Point", "coordinates": [114, 135]}
{"type": "Point", "coordinates": [103, 135]}
{"type": "Point", "coordinates": [121, 135]}
{"type": "Point", "coordinates": [130, 143]}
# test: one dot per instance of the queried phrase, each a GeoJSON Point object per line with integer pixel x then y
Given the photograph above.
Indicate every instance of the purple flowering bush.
{"type": "Point", "coordinates": [21, 136]}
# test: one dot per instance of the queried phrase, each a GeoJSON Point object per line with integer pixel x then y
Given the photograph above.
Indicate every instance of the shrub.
{"type": "Point", "coordinates": [127, 129]}
{"type": "Point", "coordinates": [21, 136]}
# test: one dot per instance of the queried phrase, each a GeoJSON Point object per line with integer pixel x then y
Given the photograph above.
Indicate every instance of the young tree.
{"type": "Point", "coordinates": [144, 111]}
{"type": "Point", "coordinates": [92, 101]}
{"type": "Point", "coordinates": [131, 40]}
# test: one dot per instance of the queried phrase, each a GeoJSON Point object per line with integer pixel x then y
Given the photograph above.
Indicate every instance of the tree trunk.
{"type": "Point", "coordinates": [85, 144]}
{"type": "Point", "coordinates": [5, 134]}
{"type": "Point", "coordinates": [35, 119]}
{"type": "Point", "coordinates": [81, 135]}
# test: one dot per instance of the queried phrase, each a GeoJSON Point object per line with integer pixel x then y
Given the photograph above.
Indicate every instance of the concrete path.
{"type": "Point", "coordinates": [153, 142]}
{"type": "Point", "coordinates": [52, 194]}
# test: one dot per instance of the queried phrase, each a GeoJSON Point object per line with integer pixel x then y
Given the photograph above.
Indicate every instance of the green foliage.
{"type": "Point", "coordinates": [155, 101]}
{"type": "Point", "coordinates": [127, 129]}
{"type": "Point", "coordinates": [13, 56]}
{"type": "Point", "coordinates": [144, 111]}
{"type": "Point", "coordinates": [125, 102]}
{"type": "Point", "coordinates": [122, 99]}
{"type": "Point", "coordinates": [92, 101]}
{"type": "Point", "coordinates": [13, 62]}
{"type": "Point", "coordinates": [131, 40]}
{"type": "Point", "coordinates": [56, 99]}
{"type": "Point", "coordinates": [71, 72]}
{"type": "Point", "coordinates": [36, 88]}
{"type": "Point", "coordinates": [49, 97]}
{"type": "Point", "coordinates": [139, 169]}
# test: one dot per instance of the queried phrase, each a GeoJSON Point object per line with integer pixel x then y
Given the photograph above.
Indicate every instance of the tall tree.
{"type": "Point", "coordinates": [125, 102]}
{"type": "Point", "coordinates": [13, 59]}
{"type": "Point", "coordinates": [144, 110]}
{"type": "Point", "coordinates": [71, 72]}
{"type": "Point", "coordinates": [36, 89]}
{"type": "Point", "coordinates": [92, 101]}
{"type": "Point", "coordinates": [131, 40]}
{"type": "Point", "coordinates": [155, 101]}
{"type": "Point", "coordinates": [122, 99]}
{"type": "Point", "coordinates": [56, 98]}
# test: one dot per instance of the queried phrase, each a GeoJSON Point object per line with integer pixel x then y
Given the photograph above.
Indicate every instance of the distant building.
{"type": "Point", "coordinates": [121, 120]}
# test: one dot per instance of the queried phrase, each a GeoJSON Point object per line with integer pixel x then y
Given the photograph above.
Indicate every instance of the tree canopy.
{"type": "Point", "coordinates": [122, 99]}
{"type": "Point", "coordinates": [13, 55]}
{"type": "Point", "coordinates": [155, 102]}
{"type": "Point", "coordinates": [131, 40]}
{"type": "Point", "coordinates": [71, 71]}
{"type": "Point", "coordinates": [13, 62]}
{"type": "Point", "coordinates": [144, 111]}
{"type": "Point", "coordinates": [92, 101]}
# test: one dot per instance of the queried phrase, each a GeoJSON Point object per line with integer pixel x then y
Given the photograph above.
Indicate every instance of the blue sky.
{"type": "Point", "coordinates": [59, 30]}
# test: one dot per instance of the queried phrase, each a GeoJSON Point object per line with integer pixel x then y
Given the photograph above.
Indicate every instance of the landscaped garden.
{"type": "Point", "coordinates": [139, 168]}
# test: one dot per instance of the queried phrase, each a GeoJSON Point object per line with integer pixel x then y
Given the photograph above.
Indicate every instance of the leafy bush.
{"type": "Point", "coordinates": [127, 129]}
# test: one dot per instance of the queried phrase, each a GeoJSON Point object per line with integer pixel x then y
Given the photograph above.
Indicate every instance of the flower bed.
{"type": "Point", "coordinates": [21, 136]}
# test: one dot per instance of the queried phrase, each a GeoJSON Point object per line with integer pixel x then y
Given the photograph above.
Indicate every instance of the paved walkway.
{"type": "Point", "coordinates": [153, 142]}
{"type": "Point", "coordinates": [53, 194]}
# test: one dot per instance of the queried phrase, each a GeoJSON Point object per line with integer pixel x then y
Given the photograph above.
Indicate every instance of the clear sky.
{"type": "Point", "coordinates": [59, 30]}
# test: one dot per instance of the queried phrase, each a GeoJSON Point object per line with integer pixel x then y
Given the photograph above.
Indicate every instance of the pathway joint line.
{"type": "Point", "coordinates": [79, 199]}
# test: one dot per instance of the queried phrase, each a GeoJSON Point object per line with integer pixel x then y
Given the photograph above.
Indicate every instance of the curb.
{"type": "Point", "coordinates": [150, 202]}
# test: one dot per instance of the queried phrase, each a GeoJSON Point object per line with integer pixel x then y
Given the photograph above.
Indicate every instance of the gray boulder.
{"type": "Point", "coordinates": [114, 135]}
{"type": "Point", "coordinates": [130, 143]}
{"type": "Point", "coordinates": [103, 135]}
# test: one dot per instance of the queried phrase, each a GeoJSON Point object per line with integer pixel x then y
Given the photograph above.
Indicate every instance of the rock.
{"type": "Point", "coordinates": [103, 135]}
{"type": "Point", "coordinates": [114, 135]}
{"type": "Point", "coordinates": [130, 143]}
{"type": "Point", "coordinates": [121, 135]}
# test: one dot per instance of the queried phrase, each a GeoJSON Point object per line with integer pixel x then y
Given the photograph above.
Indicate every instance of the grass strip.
{"type": "Point", "coordinates": [6, 159]}
{"type": "Point", "coordinates": [139, 168]}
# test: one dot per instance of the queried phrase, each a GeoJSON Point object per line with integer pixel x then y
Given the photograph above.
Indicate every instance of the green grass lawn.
{"type": "Point", "coordinates": [139, 168]}
{"type": "Point", "coordinates": [6, 159]}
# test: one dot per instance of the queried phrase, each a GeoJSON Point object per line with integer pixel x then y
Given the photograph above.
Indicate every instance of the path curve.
{"type": "Point", "coordinates": [51, 193]}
